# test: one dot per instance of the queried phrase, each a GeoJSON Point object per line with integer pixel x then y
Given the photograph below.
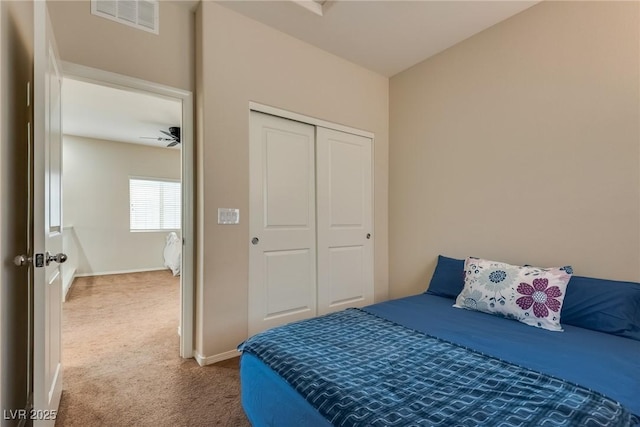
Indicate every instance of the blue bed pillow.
{"type": "Point", "coordinates": [608, 306]}
{"type": "Point", "coordinates": [448, 278]}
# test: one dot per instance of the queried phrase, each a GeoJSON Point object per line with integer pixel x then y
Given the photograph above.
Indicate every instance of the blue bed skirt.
{"type": "Point", "coordinates": [268, 400]}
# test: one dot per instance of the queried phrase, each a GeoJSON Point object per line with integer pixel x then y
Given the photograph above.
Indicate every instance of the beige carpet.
{"type": "Point", "coordinates": [121, 360]}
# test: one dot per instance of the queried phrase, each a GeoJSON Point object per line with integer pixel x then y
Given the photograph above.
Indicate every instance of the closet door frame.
{"type": "Point", "coordinates": [318, 123]}
{"type": "Point", "coordinates": [261, 108]}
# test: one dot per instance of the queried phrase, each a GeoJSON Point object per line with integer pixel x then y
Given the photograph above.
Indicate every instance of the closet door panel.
{"type": "Point", "coordinates": [284, 272]}
{"type": "Point", "coordinates": [345, 206]}
{"type": "Point", "coordinates": [282, 241]}
{"type": "Point", "coordinates": [287, 193]}
{"type": "Point", "coordinates": [346, 275]}
{"type": "Point", "coordinates": [345, 174]}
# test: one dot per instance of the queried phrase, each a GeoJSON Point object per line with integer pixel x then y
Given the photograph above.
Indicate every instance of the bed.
{"type": "Point", "coordinates": [420, 361]}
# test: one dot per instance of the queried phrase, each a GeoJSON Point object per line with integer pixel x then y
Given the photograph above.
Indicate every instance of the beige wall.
{"type": "Point", "coordinates": [96, 202]}
{"type": "Point", "coordinates": [521, 144]}
{"type": "Point", "coordinates": [97, 42]}
{"type": "Point", "coordinates": [241, 60]}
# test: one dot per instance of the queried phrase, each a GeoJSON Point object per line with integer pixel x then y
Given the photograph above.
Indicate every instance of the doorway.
{"type": "Point", "coordinates": [163, 128]}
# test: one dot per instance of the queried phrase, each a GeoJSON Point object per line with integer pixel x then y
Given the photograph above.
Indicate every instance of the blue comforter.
{"type": "Point", "coordinates": [356, 368]}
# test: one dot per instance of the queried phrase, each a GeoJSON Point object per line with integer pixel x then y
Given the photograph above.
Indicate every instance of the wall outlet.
{"type": "Point", "coordinates": [228, 216]}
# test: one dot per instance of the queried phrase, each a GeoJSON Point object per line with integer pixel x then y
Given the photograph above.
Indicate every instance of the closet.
{"type": "Point", "coordinates": [310, 221]}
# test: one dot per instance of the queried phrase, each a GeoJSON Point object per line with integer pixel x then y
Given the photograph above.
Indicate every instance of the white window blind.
{"type": "Point", "coordinates": [154, 204]}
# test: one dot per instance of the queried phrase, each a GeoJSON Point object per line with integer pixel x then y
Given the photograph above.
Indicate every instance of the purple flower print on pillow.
{"type": "Point", "coordinates": [542, 298]}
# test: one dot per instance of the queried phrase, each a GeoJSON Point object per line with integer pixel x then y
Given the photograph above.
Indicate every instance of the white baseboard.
{"type": "Point", "coordinates": [67, 281]}
{"type": "Point", "coordinates": [106, 273]}
{"type": "Point", "coordinates": [209, 360]}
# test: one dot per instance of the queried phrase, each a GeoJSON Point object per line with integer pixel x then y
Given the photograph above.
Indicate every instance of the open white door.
{"type": "Point", "coordinates": [47, 217]}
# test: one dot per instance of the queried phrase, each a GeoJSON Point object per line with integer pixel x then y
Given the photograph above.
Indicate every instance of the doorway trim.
{"type": "Point", "coordinates": [2, 256]}
{"type": "Point", "coordinates": [120, 81]}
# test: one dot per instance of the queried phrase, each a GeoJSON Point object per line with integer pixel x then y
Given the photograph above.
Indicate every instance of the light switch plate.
{"type": "Point", "coordinates": [228, 216]}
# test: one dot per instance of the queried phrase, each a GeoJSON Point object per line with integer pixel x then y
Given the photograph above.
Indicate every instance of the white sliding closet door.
{"type": "Point", "coordinates": [282, 258]}
{"type": "Point", "coordinates": [345, 240]}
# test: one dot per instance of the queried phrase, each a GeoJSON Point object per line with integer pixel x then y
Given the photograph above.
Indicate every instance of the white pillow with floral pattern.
{"type": "Point", "coordinates": [531, 295]}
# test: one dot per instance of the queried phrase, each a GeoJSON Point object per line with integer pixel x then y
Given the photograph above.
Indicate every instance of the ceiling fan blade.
{"type": "Point", "coordinates": [167, 133]}
{"type": "Point", "coordinates": [161, 139]}
{"type": "Point", "coordinates": [173, 143]}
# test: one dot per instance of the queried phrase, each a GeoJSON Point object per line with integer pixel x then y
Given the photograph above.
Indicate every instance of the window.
{"type": "Point", "coordinates": [154, 204]}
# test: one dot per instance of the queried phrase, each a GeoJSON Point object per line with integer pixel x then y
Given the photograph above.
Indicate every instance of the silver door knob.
{"type": "Point", "coordinates": [59, 258]}
{"type": "Point", "coordinates": [22, 260]}
{"type": "Point", "coordinates": [368, 235]}
{"type": "Point", "coordinates": [255, 240]}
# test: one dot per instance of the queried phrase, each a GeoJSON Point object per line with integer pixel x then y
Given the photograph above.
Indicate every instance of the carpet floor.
{"type": "Point", "coordinates": [121, 359]}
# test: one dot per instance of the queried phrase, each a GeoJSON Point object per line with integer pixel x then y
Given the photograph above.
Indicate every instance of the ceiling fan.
{"type": "Point", "coordinates": [173, 136]}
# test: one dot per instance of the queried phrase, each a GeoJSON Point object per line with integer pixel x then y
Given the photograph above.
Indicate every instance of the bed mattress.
{"type": "Point", "coordinates": [597, 361]}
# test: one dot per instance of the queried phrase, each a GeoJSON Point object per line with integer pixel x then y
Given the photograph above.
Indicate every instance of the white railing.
{"type": "Point", "coordinates": [69, 268]}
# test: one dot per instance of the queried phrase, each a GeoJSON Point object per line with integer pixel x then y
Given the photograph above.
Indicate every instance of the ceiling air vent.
{"type": "Point", "coordinates": [141, 14]}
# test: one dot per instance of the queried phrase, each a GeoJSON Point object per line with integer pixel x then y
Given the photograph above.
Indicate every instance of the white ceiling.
{"type": "Point", "coordinates": [101, 112]}
{"type": "Point", "coordinates": [384, 36]}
